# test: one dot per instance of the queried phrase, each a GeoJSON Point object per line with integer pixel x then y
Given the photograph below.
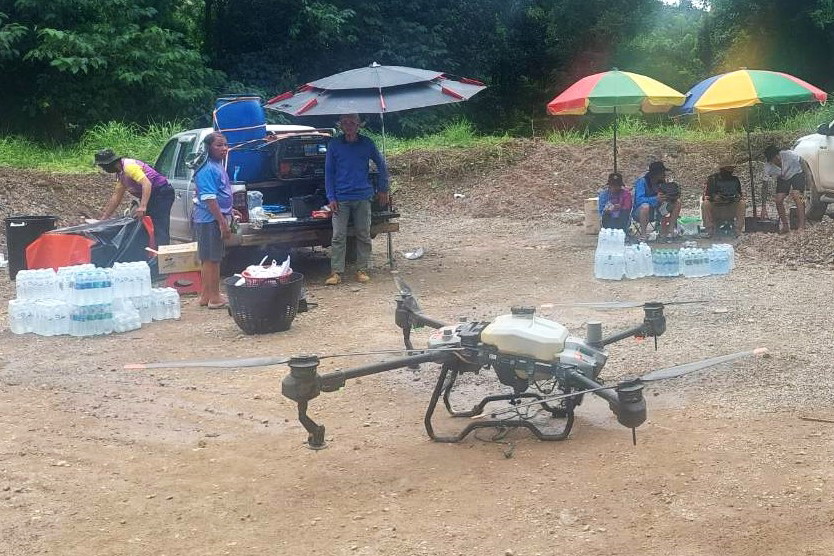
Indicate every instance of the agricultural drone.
{"type": "Point", "coordinates": [544, 367]}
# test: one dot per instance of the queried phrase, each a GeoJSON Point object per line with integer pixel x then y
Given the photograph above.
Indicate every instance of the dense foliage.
{"type": "Point", "coordinates": [69, 64]}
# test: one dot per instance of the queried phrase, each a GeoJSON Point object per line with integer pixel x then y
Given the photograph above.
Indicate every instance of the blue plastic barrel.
{"type": "Point", "coordinates": [241, 119]}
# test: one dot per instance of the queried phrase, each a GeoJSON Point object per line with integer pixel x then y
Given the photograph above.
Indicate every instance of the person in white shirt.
{"type": "Point", "coordinates": [785, 167]}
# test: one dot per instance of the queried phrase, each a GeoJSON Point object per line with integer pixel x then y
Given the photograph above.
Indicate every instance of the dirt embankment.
{"type": "Point", "coordinates": [71, 197]}
{"type": "Point", "coordinates": [519, 178]}
{"type": "Point", "coordinates": [523, 178]}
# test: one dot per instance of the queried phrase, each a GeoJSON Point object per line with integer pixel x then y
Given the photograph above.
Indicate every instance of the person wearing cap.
{"type": "Point", "coordinates": [138, 178]}
{"type": "Point", "coordinates": [349, 194]}
{"type": "Point", "coordinates": [786, 168]}
{"type": "Point", "coordinates": [722, 200]}
{"type": "Point", "coordinates": [651, 204]}
{"type": "Point", "coordinates": [615, 203]}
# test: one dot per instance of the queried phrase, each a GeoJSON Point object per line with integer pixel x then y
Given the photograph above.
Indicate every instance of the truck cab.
{"type": "Point", "coordinates": [289, 173]}
{"type": "Point", "coordinates": [817, 153]}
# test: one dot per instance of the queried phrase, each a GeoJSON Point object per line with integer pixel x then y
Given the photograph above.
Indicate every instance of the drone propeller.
{"type": "Point", "coordinates": [408, 299]}
{"type": "Point", "coordinates": [265, 361]}
{"type": "Point", "coordinates": [212, 363]}
{"type": "Point", "coordinates": [613, 305]}
{"type": "Point", "coordinates": [686, 368]}
{"type": "Point", "coordinates": [658, 374]}
{"type": "Point", "coordinates": [404, 288]}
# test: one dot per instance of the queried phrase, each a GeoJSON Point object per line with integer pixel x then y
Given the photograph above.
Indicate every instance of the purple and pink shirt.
{"type": "Point", "coordinates": [134, 171]}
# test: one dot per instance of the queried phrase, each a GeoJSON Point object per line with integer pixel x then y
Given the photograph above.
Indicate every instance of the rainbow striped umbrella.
{"type": "Point", "coordinates": [744, 88]}
{"type": "Point", "coordinates": [615, 92]}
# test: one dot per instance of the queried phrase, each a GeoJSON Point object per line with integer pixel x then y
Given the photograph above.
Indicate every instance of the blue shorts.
{"type": "Point", "coordinates": [209, 241]}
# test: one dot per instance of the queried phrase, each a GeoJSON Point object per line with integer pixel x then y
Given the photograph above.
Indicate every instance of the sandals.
{"type": "Point", "coordinates": [222, 305]}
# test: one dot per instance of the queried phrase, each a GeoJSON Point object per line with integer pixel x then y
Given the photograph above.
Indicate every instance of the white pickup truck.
{"type": "Point", "coordinates": [817, 153]}
{"type": "Point", "coordinates": [293, 168]}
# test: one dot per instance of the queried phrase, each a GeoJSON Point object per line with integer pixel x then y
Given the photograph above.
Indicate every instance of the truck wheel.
{"type": "Point", "coordinates": [350, 250]}
{"type": "Point", "coordinates": [814, 208]}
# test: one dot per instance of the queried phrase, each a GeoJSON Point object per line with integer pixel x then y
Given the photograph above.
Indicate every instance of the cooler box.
{"type": "Point", "coordinates": [181, 257]}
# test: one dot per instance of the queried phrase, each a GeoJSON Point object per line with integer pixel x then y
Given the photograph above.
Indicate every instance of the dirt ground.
{"type": "Point", "coordinates": [98, 460]}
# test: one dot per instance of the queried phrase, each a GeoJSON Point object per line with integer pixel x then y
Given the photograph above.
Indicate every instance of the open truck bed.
{"type": "Point", "coordinates": [290, 166]}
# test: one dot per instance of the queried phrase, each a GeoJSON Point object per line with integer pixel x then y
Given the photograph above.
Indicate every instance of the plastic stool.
{"type": "Point", "coordinates": [185, 282]}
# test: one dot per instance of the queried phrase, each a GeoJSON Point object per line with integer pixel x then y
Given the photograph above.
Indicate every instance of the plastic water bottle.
{"type": "Point", "coordinates": [674, 263]}
{"type": "Point", "coordinates": [633, 262]}
{"type": "Point", "coordinates": [617, 265]}
{"type": "Point", "coordinates": [19, 316]}
{"type": "Point", "coordinates": [174, 298]}
{"type": "Point", "coordinates": [21, 285]}
{"type": "Point", "coordinates": [703, 263]}
{"type": "Point", "coordinates": [647, 259]}
{"type": "Point", "coordinates": [599, 262]}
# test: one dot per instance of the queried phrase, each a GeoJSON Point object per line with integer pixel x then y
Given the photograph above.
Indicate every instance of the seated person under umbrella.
{"type": "Point", "coordinates": [615, 203]}
{"type": "Point", "coordinates": [723, 200]}
{"type": "Point", "coordinates": [656, 199]}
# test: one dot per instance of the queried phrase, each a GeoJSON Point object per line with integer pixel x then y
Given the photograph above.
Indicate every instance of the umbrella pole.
{"type": "Point", "coordinates": [750, 160]}
{"type": "Point", "coordinates": [390, 240]}
{"type": "Point", "coordinates": [615, 138]}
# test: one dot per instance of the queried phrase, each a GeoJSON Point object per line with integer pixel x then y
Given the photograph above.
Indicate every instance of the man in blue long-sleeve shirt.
{"type": "Point", "coordinates": [651, 204]}
{"type": "Point", "coordinates": [349, 192]}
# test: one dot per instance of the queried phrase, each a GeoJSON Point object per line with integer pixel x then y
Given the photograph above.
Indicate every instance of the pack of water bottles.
{"type": "Point", "coordinates": [84, 300]}
{"type": "Point", "coordinates": [694, 262]}
{"type": "Point", "coordinates": [613, 259]}
{"type": "Point", "coordinates": [609, 259]}
{"type": "Point", "coordinates": [666, 262]}
{"type": "Point", "coordinates": [638, 261]}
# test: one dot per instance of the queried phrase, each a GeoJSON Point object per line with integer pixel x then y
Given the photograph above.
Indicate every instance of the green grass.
{"type": "Point", "coordinates": [456, 134]}
{"type": "Point", "coordinates": [636, 126]}
{"type": "Point", "coordinates": [145, 142]}
{"type": "Point", "coordinates": [130, 140]}
{"type": "Point", "coordinates": [808, 120]}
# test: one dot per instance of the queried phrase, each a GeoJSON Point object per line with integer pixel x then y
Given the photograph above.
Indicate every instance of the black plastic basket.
{"type": "Point", "coordinates": [264, 308]}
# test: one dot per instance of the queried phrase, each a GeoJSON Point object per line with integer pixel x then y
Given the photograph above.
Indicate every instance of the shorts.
{"type": "Point", "coordinates": [796, 183]}
{"type": "Point", "coordinates": [209, 242]}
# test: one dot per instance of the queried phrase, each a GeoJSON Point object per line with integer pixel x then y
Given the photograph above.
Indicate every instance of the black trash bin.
{"type": "Point", "coordinates": [20, 232]}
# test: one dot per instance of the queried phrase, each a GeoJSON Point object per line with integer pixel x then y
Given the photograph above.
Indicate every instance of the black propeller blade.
{"type": "Point", "coordinates": [686, 368]}
{"type": "Point", "coordinates": [212, 363]}
{"type": "Point", "coordinates": [614, 305]}
{"type": "Point", "coordinates": [403, 288]}
{"type": "Point", "coordinates": [266, 361]}
{"type": "Point", "coordinates": [407, 295]}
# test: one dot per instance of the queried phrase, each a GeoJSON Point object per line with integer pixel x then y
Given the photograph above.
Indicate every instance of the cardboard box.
{"type": "Point", "coordinates": [180, 257]}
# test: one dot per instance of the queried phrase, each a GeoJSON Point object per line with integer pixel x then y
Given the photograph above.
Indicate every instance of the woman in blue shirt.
{"type": "Point", "coordinates": [212, 217]}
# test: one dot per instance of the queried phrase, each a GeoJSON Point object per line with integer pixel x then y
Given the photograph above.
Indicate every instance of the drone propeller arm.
{"type": "Point", "coordinates": [625, 334]}
{"type": "Point", "coordinates": [304, 383]}
{"type": "Point", "coordinates": [331, 382]}
{"type": "Point", "coordinates": [419, 319]}
{"type": "Point", "coordinates": [653, 325]}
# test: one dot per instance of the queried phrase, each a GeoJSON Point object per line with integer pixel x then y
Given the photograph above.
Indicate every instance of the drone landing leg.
{"type": "Point", "coordinates": [315, 438]}
{"type": "Point", "coordinates": [479, 408]}
{"type": "Point", "coordinates": [502, 423]}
